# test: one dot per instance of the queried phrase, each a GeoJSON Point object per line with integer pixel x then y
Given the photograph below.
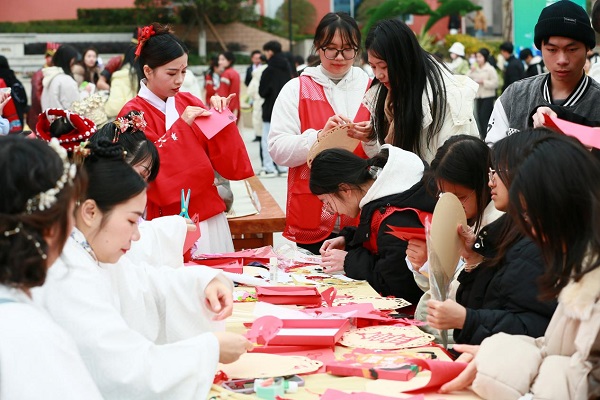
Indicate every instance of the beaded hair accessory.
{"type": "Point", "coordinates": [83, 128]}
{"type": "Point", "coordinates": [146, 33]}
{"type": "Point", "coordinates": [135, 121]}
{"type": "Point", "coordinates": [45, 200]}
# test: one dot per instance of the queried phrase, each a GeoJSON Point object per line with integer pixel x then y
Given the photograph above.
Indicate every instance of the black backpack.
{"type": "Point", "coordinates": [19, 96]}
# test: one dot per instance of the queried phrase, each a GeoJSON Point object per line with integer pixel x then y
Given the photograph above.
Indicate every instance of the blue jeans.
{"type": "Point", "coordinates": [268, 164]}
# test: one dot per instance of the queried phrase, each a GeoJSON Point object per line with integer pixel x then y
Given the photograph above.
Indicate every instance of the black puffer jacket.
{"type": "Point", "coordinates": [386, 271]}
{"type": "Point", "coordinates": [503, 298]}
{"type": "Point", "coordinates": [272, 80]}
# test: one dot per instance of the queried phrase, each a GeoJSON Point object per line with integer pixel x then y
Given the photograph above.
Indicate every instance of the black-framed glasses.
{"type": "Point", "coordinates": [331, 53]}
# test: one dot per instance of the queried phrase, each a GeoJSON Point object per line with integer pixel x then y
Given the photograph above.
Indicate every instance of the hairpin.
{"type": "Point", "coordinates": [134, 121]}
{"type": "Point", "coordinates": [18, 229]}
{"type": "Point", "coordinates": [374, 171]}
{"type": "Point", "coordinates": [146, 33]}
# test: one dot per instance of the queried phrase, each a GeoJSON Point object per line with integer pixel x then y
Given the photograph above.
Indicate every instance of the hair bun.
{"type": "Point", "coordinates": [105, 149]}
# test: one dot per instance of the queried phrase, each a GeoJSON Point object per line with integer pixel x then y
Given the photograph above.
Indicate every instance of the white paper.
{"type": "Point", "coordinates": [307, 332]}
{"type": "Point", "coordinates": [261, 308]}
{"type": "Point", "coordinates": [247, 279]}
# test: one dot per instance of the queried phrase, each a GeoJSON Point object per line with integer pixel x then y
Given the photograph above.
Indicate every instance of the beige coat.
{"type": "Point", "coordinates": [555, 366]}
{"type": "Point", "coordinates": [487, 78]}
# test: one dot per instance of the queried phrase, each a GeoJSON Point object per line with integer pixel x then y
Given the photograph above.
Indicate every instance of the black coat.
{"type": "Point", "coordinates": [513, 71]}
{"type": "Point", "coordinates": [503, 298]}
{"type": "Point", "coordinates": [386, 271]}
{"type": "Point", "coordinates": [272, 80]}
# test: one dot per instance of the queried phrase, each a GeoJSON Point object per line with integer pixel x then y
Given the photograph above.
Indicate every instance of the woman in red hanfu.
{"type": "Point", "coordinates": [187, 158]}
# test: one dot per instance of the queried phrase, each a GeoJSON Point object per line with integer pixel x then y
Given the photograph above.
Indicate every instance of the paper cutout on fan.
{"type": "Point", "coordinates": [335, 138]}
{"type": "Point", "coordinates": [386, 337]}
{"type": "Point", "coordinates": [263, 365]}
{"type": "Point", "coordinates": [380, 303]}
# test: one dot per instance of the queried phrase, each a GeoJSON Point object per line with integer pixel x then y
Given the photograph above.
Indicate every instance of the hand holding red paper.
{"type": "Point", "coordinates": [590, 137]}
{"type": "Point", "coordinates": [190, 114]}
{"type": "Point", "coordinates": [467, 376]}
{"type": "Point", "coordinates": [219, 299]}
{"type": "Point", "coordinates": [220, 103]}
{"type": "Point", "coordinates": [215, 122]}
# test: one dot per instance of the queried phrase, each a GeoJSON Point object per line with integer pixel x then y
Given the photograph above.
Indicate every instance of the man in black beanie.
{"type": "Point", "coordinates": [564, 35]}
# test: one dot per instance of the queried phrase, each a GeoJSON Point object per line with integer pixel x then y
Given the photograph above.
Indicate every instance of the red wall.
{"type": "Point", "coordinates": [33, 10]}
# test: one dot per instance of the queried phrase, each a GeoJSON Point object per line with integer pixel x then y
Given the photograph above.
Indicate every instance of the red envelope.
{"type": "Point", "coordinates": [215, 122]}
{"type": "Point", "coordinates": [292, 295]}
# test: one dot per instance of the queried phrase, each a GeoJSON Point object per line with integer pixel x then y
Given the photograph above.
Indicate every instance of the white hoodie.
{"type": "Point", "coordinates": [289, 146]}
{"type": "Point", "coordinates": [60, 89]}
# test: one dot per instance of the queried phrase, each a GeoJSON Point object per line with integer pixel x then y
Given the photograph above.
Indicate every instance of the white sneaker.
{"type": "Point", "coordinates": [265, 174]}
{"type": "Point", "coordinates": [283, 174]}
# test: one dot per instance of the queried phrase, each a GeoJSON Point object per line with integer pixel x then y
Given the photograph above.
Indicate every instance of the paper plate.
{"type": "Point", "coordinates": [335, 138]}
{"type": "Point", "coordinates": [444, 240]}
{"type": "Point", "coordinates": [263, 365]}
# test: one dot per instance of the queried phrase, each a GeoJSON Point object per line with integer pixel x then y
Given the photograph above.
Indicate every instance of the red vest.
{"type": "Point", "coordinates": [378, 218]}
{"type": "Point", "coordinates": [307, 221]}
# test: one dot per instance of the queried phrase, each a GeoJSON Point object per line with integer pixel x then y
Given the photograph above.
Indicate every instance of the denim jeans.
{"type": "Point", "coordinates": [268, 164]}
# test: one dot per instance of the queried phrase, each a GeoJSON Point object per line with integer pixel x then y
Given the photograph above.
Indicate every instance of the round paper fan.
{"type": "Point", "coordinates": [263, 365]}
{"type": "Point", "coordinates": [386, 337]}
{"type": "Point", "coordinates": [335, 138]}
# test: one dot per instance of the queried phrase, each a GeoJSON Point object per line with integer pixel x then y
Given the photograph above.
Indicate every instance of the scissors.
{"type": "Point", "coordinates": [185, 204]}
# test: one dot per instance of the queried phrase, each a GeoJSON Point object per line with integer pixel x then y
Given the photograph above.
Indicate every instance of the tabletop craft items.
{"type": "Point", "coordinates": [386, 337]}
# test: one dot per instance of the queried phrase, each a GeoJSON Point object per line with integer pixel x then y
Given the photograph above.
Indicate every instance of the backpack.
{"type": "Point", "coordinates": [19, 96]}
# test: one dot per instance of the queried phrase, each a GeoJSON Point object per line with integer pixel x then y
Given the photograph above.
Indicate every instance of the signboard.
{"type": "Point", "coordinates": [525, 16]}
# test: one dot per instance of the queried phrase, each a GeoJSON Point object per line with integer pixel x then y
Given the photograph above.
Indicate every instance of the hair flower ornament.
{"type": "Point", "coordinates": [135, 122]}
{"type": "Point", "coordinates": [146, 33]}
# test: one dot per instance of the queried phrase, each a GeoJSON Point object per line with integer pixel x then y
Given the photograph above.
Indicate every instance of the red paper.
{"type": "Point", "coordinates": [192, 237]}
{"type": "Point", "coordinates": [340, 326]}
{"type": "Point", "coordinates": [333, 394]}
{"type": "Point", "coordinates": [214, 123]}
{"type": "Point", "coordinates": [233, 266]}
{"type": "Point", "coordinates": [362, 310]}
{"type": "Point", "coordinates": [260, 254]}
{"type": "Point", "coordinates": [406, 233]}
{"type": "Point", "coordinates": [587, 135]}
{"type": "Point", "coordinates": [329, 295]}
{"type": "Point", "coordinates": [291, 295]}
{"type": "Point", "coordinates": [441, 372]}
{"type": "Point", "coordinates": [265, 328]}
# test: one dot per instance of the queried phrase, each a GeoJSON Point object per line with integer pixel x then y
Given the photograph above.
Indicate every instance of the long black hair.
{"type": "Point", "coordinates": [412, 72]}
{"type": "Point", "coordinates": [555, 199]}
{"type": "Point", "coordinates": [463, 160]}
{"type": "Point", "coordinates": [507, 156]}
{"type": "Point", "coordinates": [64, 57]}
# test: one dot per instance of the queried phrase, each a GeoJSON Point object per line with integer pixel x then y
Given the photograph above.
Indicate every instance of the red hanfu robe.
{"type": "Point", "coordinates": [188, 160]}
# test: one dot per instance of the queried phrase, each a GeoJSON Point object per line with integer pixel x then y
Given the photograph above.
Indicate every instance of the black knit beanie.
{"type": "Point", "coordinates": [567, 19]}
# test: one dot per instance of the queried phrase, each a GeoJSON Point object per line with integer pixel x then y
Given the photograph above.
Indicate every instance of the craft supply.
{"type": "Point", "coordinates": [273, 269]}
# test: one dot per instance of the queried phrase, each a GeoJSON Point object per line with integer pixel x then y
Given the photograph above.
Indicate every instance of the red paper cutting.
{"type": "Point", "coordinates": [587, 135]}
{"type": "Point", "coordinates": [265, 328]}
{"type": "Point", "coordinates": [441, 372]}
{"type": "Point", "coordinates": [406, 233]}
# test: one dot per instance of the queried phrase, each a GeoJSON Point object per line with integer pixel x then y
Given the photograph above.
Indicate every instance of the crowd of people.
{"type": "Point", "coordinates": [92, 282]}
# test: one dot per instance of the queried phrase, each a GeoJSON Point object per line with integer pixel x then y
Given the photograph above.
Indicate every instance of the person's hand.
{"type": "Point", "coordinates": [231, 346]}
{"type": "Point", "coordinates": [467, 236]}
{"type": "Point", "coordinates": [192, 112]}
{"type": "Point", "coordinates": [361, 131]}
{"type": "Point", "coordinates": [465, 378]}
{"type": "Point", "coordinates": [4, 99]}
{"type": "Point", "coordinates": [219, 299]}
{"type": "Point", "coordinates": [416, 252]}
{"type": "Point", "coordinates": [190, 225]}
{"type": "Point", "coordinates": [445, 315]}
{"type": "Point", "coordinates": [334, 121]}
{"type": "Point", "coordinates": [538, 117]}
{"type": "Point", "coordinates": [333, 260]}
{"type": "Point", "coordinates": [220, 103]}
{"type": "Point", "coordinates": [335, 243]}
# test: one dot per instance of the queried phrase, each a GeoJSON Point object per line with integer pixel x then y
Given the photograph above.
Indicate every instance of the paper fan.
{"type": "Point", "coordinates": [335, 138]}
{"type": "Point", "coordinates": [263, 365]}
{"type": "Point", "coordinates": [380, 303]}
{"type": "Point", "coordinates": [445, 241]}
{"type": "Point", "coordinates": [386, 337]}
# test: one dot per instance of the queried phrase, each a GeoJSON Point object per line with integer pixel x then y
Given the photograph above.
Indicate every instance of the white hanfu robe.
{"type": "Point", "coordinates": [38, 359]}
{"type": "Point", "coordinates": [143, 331]}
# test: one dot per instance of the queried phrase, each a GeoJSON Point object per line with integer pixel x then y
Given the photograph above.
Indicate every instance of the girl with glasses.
{"type": "Point", "coordinates": [416, 103]}
{"type": "Point", "coordinates": [323, 97]}
{"type": "Point", "coordinates": [460, 167]}
{"type": "Point", "coordinates": [388, 193]}
{"type": "Point", "coordinates": [497, 286]}
{"type": "Point", "coordinates": [562, 201]}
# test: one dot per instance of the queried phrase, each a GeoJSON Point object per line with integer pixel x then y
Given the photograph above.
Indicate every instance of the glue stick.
{"type": "Point", "coordinates": [273, 269]}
